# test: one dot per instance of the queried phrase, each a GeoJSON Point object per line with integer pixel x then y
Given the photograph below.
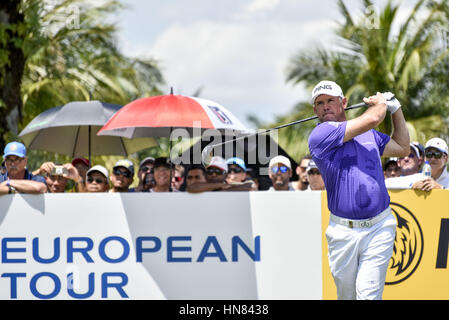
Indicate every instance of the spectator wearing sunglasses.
{"type": "Point", "coordinates": [177, 182]}
{"type": "Point", "coordinates": [236, 170]}
{"type": "Point", "coordinates": [314, 177]}
{"type": "Point", "coordinates": [436, 152]}
{"type": "Point", "coordinates": [303, 182]}
{"type": "Point", "coordinates": [410, 164]}
{"type": "Point", "coordinates": [145, 175]}
{"type": "Point", "coordinates": [237, 173]}
{"type": "Point", "coordinates": [122, 176]}
{"type": "Point", "coordinates": [280, 172]}
{"type": "Point", "coordinates": [216, 172]}
{"type": "Point", "coordinates": [97, 179]}
{"type": "Point", "coordinates": [17, 178]}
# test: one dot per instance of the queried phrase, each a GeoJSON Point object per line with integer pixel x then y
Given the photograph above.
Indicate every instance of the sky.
{"type": "Point", "coordinates": [235, 51]}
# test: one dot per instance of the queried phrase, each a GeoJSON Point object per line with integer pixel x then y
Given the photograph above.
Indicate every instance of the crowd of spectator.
{"type": "Point", "coordinates": [160, 175]}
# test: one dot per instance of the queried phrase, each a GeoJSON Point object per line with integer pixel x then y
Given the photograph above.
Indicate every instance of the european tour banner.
{"type": "Point", "coordinates": [418, 268]}
{"type": "Point", "coordinates": [215, 245]}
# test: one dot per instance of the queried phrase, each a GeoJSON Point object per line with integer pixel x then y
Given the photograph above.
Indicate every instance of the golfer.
{"type": "Point", "coordinates": [361, 230]}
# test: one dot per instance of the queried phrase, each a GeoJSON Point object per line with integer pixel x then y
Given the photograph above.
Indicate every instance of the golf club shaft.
{"type": "Point", "coordinates": [355, 106]}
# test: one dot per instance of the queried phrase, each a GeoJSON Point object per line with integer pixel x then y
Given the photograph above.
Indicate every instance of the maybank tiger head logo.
{"type": "Point", "coordinates": [408, 246]}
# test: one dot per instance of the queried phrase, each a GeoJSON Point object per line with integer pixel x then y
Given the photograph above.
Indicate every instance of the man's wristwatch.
{"type": "Point", "coordinates": [11, 189]}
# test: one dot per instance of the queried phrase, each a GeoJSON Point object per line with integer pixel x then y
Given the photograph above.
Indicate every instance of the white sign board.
{"type": "Point", "coordinates": [216, 245]}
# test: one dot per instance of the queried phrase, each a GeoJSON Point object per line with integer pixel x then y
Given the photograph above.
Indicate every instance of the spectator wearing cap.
{"type": "Point", "coordinates": [145, 175]}
{"type": "Point", "coordinates": [195, 174]}
{"type": "Point", "coordinates": [97, 179]}
{"type": "Point", "coordinates": [422, 152]}
{"type": "Point", "coordinates": [280, 172]}
{"type": "Point", "coordinates": [17, 178]}
{"type": "Point", "coordinates": [162, 167]}
{"type": "Point", "coordinates": [177, 182]}
{"type": "Point", "coordinates": [122, 176]}
{"type": "Point", "coordinates": [216, 172]}
{"type": "Point", "coordinates": [391, 168]}
{"type": "Point", "coordinates": [410, 164]}
{"type": "Point", "coordinates": [436, 152]}
{"type": "Point", "coordinates": [58, 176]}
{"type": "Point", "coordinates": [236, 170]}
{"type": "Point", "coordinates": [303, 182]}
{"type": "Point", "coordinates": [314, 177]}
{"type": "Point", "coordinates": [236, 174]}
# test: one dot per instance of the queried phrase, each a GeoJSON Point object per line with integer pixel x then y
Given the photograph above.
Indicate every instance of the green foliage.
{"type": "Point", "coordinates": [71, 55]}
{"type": "Point", "coordinates": [413, 63]}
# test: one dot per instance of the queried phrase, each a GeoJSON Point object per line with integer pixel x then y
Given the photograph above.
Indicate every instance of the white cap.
{"type": "Point", "coordinates": [437, 143]}
{"type": "Point", "coordinates": [415, 149]}
{"type": "Point", "coordinates": [100, 169]}
{"type": "Point", "coordinates": [326, 87]}
{"type": "Point", "coordinates": [218, 162]}
{"type": "Point", "coordinates": [280, 159]}
{"type": "Point", "coordinates": [312, 165]}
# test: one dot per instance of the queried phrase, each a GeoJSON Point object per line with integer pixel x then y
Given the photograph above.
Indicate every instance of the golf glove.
{"type": "Point", "coordinates": [393, 104]}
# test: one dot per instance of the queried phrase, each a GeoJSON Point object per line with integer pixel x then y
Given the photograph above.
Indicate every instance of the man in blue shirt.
{"type": "Point", "coordinates": [362, 229]}
{"type": "Point", "coordinates": [17, 177]}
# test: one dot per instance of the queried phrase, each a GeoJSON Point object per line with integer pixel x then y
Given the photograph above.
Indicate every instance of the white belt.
{"type": "Point", "coordinates": [363, 223]}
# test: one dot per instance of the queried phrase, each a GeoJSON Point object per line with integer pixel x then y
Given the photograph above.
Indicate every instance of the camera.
{"type": "Point", "coordinates": [59, 171]}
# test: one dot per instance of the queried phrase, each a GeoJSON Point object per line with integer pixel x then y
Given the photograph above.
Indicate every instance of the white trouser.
{"type": "Point", "coordinates": [359, 258]}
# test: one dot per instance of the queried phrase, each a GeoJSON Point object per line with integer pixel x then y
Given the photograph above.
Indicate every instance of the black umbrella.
{"type": "Point", "coordinates": [256, 152]}
{"type": "Point", "coordinates": [72, 130]}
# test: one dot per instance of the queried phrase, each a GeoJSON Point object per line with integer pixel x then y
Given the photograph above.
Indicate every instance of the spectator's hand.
{"type": "Point", "coordinates": [72, 173]}
{"type": "Point", "coordinates": [426, 185]}
{"type": "Point", "coordinates": [44, 169]}
{"type": "Point", "coordinates": [393, 104]}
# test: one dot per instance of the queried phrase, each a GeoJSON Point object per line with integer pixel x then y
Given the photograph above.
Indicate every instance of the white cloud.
{"type": "Point", "coordinates": [261, 5]}
{"type": "Point", "coordinates": [241, 65]}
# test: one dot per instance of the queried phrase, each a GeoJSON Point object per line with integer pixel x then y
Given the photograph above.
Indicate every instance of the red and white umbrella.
{"type": "Point", "coordinates": [158, 116]}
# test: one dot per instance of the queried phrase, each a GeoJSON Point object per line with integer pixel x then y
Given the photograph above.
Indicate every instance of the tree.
{"type": "Point", "coordinates": [371, 57]}
{"type": "Point", "coordinates": [68, 52]}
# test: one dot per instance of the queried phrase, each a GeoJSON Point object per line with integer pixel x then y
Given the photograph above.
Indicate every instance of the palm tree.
{"type": "Point", "coordinates": [70, 54]}
{"type": "Point", "coordinates": [372, 57]}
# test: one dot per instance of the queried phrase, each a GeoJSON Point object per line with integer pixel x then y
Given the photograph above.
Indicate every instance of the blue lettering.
{"type": "Point", "coordinates": [13, 277]}
{"type": "Point", "coordinates": [117, 286]}
{"type": "Point", "coordinates": [56, 251]}
{"type": "Point", "coordinates": [84, 251]}
{"type": "Point", "coordinates": [5, 250]}
{"type": "Point", "coordinates": [170, 249]}
{"type": "Point", "coordinates": [211, 240]}
{"type": "Point", "coordinates": [75, 295]}
{"type": "Point", "coordinates": [236, 242]}
{"type": "Point", "coordinates": [102, 250]}
{"type": "Point", "coordinates": [140, 249]}
{"type": "Point", "coordinates": [33, 285]}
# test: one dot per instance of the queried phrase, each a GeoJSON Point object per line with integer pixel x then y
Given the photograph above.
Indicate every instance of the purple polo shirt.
{"type": "Point", "coordinates": [352, 170]}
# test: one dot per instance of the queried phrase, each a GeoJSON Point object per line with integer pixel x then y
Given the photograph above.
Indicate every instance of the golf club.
{"type": "Point", "coordinates": [205, 154]}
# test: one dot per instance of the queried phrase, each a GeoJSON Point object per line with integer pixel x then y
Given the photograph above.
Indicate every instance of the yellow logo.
{"type": "Point", "coordinates": [13, 147]}
{"type": "Point", "coordinates": [408, 246]}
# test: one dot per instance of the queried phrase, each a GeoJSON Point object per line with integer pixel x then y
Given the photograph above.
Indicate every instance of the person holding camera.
{"type": "Point", "coordinates": [17, 178]}
{"type": "Point", "coordinates": [57, 176]}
